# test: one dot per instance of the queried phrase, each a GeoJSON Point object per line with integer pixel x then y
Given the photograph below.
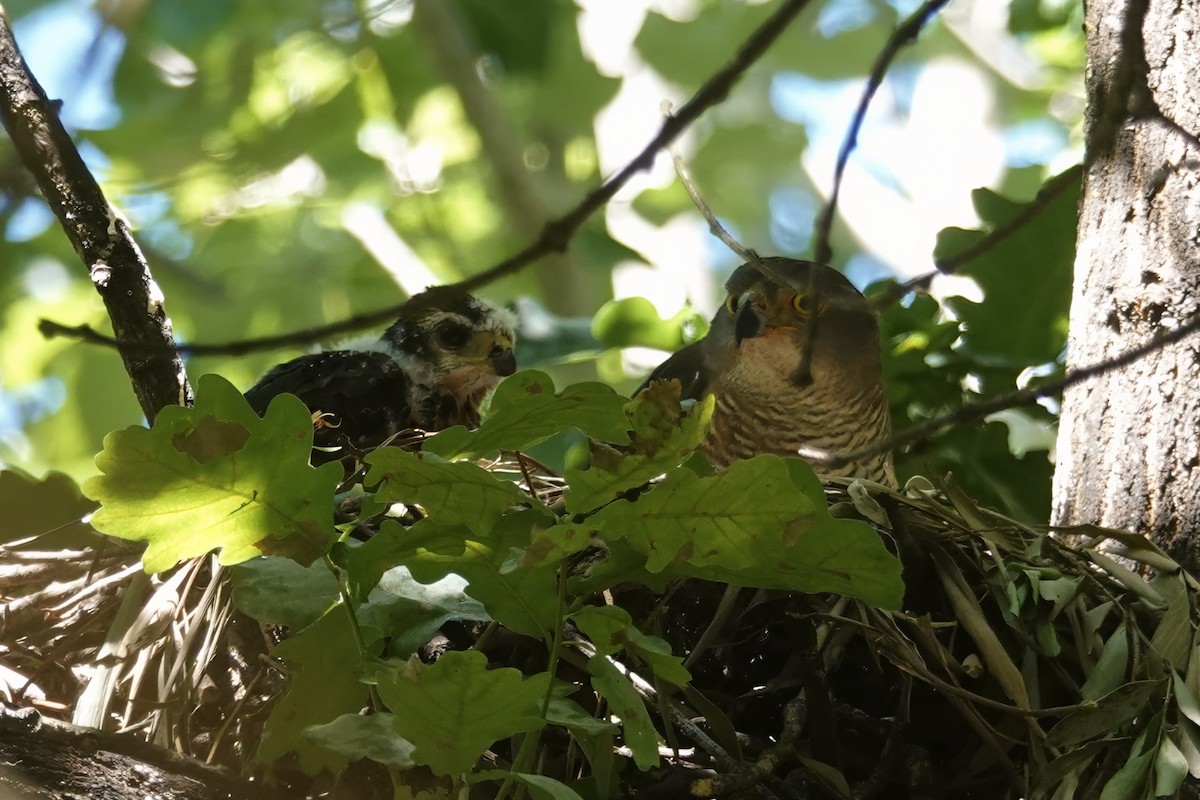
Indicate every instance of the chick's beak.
{"type": "Point", "coordinates": [502, 361]}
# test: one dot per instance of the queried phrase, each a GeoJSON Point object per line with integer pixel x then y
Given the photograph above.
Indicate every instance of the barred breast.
{"type": "Point", "coordinates": [814, 424]}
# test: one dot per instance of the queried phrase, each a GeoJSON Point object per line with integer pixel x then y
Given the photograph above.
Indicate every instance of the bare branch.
{"type": "Point", "coordinates": [974, 412]}
{"type": "Point", "coordinates": [556, 235]}
{"type": "Point", "coordinates": [714, 225]}
{"type": "Point", "coordinates": [803, 373]}
{"type": "Point", "coordinates": [904, 35]}
{"type": "Point", "coordinates": [1049, 192]}
{"type": "Point", "coordinates": [88, 334]}
{"type": "Point", "coordinates": [100, 238]}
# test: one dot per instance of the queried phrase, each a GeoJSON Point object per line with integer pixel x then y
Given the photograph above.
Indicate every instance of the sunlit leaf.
{"type": "Point", "coordinates": [663, 436]}
{"type": "Point", "coordinates": [634, 322]}
{"type": "Point", "coordinates": [523, 598]}
{"type": "Point", "coordinates": [751, 525]}
{"type": "Point", "coordinates": [611, 629]}
{"type": "Point", "coordinates": [355, 736]}
{"type": "Point", "coordinates": [640, 736]}
{"type": "Point", "coordinates": [217, 477]}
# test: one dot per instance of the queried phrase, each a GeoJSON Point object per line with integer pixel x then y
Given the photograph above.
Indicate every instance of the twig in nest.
{"type": "Point", "coordinates": [795, 714]}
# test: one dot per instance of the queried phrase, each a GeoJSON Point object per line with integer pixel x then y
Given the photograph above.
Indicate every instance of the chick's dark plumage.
{"type": "Point", "coordinates": [766, 401]}
{"type": "Point", "coordinates": [431, 369]}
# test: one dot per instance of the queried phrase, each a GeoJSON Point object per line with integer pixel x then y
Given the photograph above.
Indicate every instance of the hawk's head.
{"type": "Point", "coordinates": [767, 320]}
{"type": "Point", "coordinates": [454, 345]}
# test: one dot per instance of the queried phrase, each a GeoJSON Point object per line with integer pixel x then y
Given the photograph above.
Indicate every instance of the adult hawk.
{"type": "Point", "coordinates": [751, 360]}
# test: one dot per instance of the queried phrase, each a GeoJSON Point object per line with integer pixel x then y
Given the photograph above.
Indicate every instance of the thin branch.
{"type": "Point", "coordinates": [88, 334]}
{"type": "Point", "coordinates": [716, 228]}
{"type": "Point", "coordinates": [714, 225]}
{"type": "Point", "coordinates": [974, 412]}
{"type": "Point", "coordinates": [529, 198]}
{"type": "Point", "coordinates": [803, 374]}
{"type": "Point", "coordinates": [555, 236]}
{"type": "Point", "coordinates": [1049, 192]}
{"type": "Point", "coordinates": [100, 237]}
{"type": "Point", "coordinates": [904, 35]}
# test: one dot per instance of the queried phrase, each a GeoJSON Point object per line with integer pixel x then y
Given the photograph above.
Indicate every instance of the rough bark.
{"type": "Point", "coordinates": [100, 237]}
{"type": "Point", "coordinates": [42, 758]}
{"type": "Point", "coordinates": [1129, 441]}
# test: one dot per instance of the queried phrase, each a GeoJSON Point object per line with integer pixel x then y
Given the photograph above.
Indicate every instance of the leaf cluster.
{"type": "Point", "coordinates": [488, 549]}
{"type": "Point", "coordinates": [490, 615]}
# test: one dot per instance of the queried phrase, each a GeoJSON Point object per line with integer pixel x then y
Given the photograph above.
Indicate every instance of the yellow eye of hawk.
{"type": "Point", "coordinates": [800, 305]}
{"type": "Point", "coordinates": [731, 304]}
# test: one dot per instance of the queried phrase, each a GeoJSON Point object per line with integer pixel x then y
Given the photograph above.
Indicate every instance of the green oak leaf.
{"type": "Point", "coordinates": [217, 476]}
{"type": "Point", "coordinates": [409, 612]}
{"type": "Point", "coordinates": [278, 591]}
{"type": "Point", "coordinates": [730, 518]}
{"type": "Point", "coordinates": [456, 708]}
{"type": "Point", "coordinates": [611, 629]}
{"type": "Point", "coordinates": [756, 524]}
{"type": "Point", "coordinates": [1026, 279]}
{"type": "Point", "coordinates": [540, 787]}
{"type": "Point", "coordinates": [634, 322]}
{"type": "Point", "coordinates": [559, 541]}
{"type": "Point", "coordinates": [354, 736]}
{"type": "Point", "coordinates": [663, 436]}
{"type": "Point", "coordinates": [640, 736]}
{"type": "Point", "coordinates": [451, 492]}
{"type": "Point", "coordinates": [525, 410]}
{"type": "Point", "coordinates": [523, 598]}
{"type": "Point", "coordinates": [325, 667]}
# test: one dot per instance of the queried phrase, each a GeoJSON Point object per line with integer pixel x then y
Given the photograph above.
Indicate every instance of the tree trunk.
{"type": "Point", "coordinates": [1128, 444]}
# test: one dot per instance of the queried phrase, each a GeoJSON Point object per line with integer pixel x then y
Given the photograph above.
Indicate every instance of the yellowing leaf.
{"type": "Point", "coordinates": [217, 476]}
{"type": "Point", "coordinates": [663, 436]}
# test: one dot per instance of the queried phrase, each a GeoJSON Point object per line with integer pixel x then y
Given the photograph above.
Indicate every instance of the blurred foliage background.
{"type": "Point", "coordinates": [286, 164]}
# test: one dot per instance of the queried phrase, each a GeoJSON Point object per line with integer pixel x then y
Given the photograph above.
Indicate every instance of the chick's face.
{"type": "Point", "coordinates": [470, 360]}
{"type": "Point", "coordinates": [454, 345]}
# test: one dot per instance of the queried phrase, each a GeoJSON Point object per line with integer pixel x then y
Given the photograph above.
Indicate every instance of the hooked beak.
{"type": "Point", "coordinates": [749, 320]}
{"type": "Point", "coordinates": [503, 362]}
